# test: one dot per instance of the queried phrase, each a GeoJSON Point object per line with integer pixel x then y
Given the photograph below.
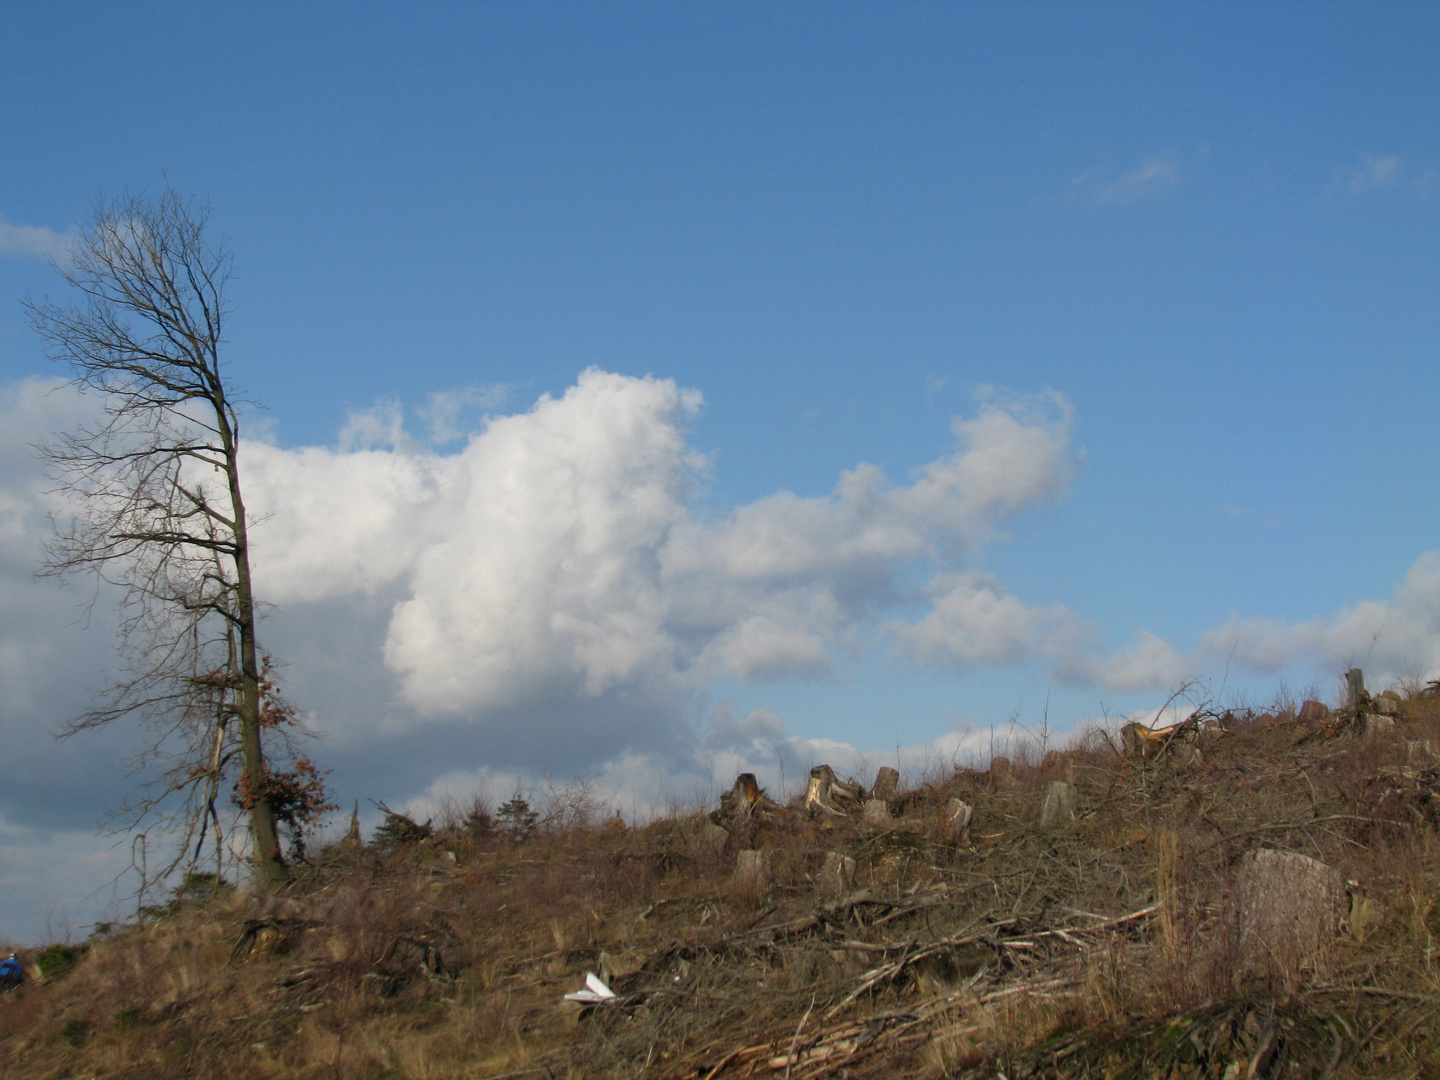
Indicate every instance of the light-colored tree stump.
{"type": "Point", "coordinates": [1373, 724]}
{"type": "Point", "coordinates": [876, 816]}
{"type": "Point", "coordinates": [827, 795]}
{"type": "Point", "coordinates": [837, 877]}
{"type": "Point", "coordinates": [1386, 706]}
{"type": "Point", "coordinates": [1059, 805]}
{"type": "Point", "coordinates": [955, 820]}
{"type": "Point", "coordinates": [752, 870]}
{"type": "Point", "coordinates": [1059, 764]}
{"type": "Point", "coordinates": [1288, 910]}
{"type": "Point", "coordinates": [708, 841]}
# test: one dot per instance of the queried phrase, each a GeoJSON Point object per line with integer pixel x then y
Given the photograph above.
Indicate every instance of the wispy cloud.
{"type": "Point", "coordinates": [1391, 639]}
{"type": "Point", "coordinates": [1106, 186]}
{"type": "Point", "coordinates": [378, 427]}
{"type": "Point", "coordinates": [445, 410]}
{"type": "Point", "coordinates": [1385, 173]}
{"type": "Point", "coordinates": [1394, 636]}
{"type": "Point", "coordinates": [33, 240]}
{"type": "Point", "coordinates": [447, 414]}
{"type": "Point", "coordinates": [1375, 173]}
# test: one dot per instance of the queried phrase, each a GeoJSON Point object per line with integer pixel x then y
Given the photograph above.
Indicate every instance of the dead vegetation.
{"type": "Point", "coordinates": [1258, 896]}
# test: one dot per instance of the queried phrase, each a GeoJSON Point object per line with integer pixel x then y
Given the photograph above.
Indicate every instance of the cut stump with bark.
{"type": "Point", "coordinates": [743, 809]}
{"type": "Point", "coordinates": [837, 877]}
{"type": "Point", "coordinates": [955, 820]}
{"type": "Point", "coordinates": [1059, 806]}
{"type": "Point", "coordinates": [829, 796]}
{"type": "Point", "coordinates": [1288, 908]}
{"type": "Point", "coordinates": [752, 870]}
{"type": "Point", "coordinates": [876, 816]}
{"type": "Point", "coordinates": [887, 780]}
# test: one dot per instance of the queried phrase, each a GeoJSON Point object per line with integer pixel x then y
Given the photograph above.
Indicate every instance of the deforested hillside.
{"type": "Point", "coordinates": [1248, 894]}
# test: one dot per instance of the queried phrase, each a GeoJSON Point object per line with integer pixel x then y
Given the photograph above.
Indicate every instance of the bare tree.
{"type": "Point", "coordinates": [155, 483]}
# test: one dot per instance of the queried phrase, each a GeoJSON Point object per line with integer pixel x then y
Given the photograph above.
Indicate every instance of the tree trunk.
{"type": "Point", "coordinates": [269, 862]}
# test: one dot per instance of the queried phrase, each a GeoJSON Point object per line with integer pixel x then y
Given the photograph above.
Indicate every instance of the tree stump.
{"type": "Point", "coordinates": [1289, 908]}
{"type": "Point", "coordinates": [876, 816]}
{"type": "Point", "coordinates": [955, 820]}
{"type": "Point", "coordinates": [752, 871]}
{"type": "Point", "coordinates": [1422, 750]}
{"type": "Point", "coordinates": [837, 877]}
{"type": "Point", "coordinates": [351, 841]}
{"type": "Point", "coordinates": [1373, 724]}
{"type": "Point", "coordinates": [1059, 764]}
{"type": "Point", "coordinates": [743, 808]}
{"type": "Point", "coordinates": [1386, 706]}
{"type": "Point", "coordinates": [1355, 695]}
{"type": "Point", "coordinates": [1137, 740]}
{"type": "Point", "coordinates": [827, 795]}
{"type": "Point", "coordinates": [886, 781]}
{"type": "Point", "coordinates": [1059, 806]}
{"type": "Point", "coordinates": [709, 841]}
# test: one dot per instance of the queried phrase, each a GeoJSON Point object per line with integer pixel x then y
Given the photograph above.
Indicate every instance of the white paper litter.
{"type": "Point", "coordinates": [595, 991]}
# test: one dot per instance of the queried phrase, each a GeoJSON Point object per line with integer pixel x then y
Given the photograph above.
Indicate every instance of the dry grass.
{"type": "Point", "coordinates": [1102, 946]}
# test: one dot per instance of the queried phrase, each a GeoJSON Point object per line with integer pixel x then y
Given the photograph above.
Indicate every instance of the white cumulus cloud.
{"type": "Point", "coordinates": [973, 622]}
{"type": "Point", "coordinates": [557, 550]}
{"type": "Point", "coordinates": [1148, 663]}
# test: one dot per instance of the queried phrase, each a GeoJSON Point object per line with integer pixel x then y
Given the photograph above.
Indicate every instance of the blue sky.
{"type": "Point", "coordinates": [1187, 250]}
